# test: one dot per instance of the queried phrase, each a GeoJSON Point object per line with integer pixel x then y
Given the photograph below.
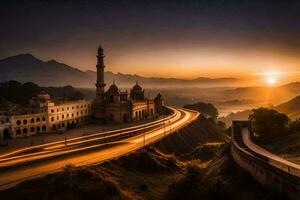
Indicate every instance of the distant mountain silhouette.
{"type": "Point", "coordinates": [269, 95]}
{"type": "Point", "coordinates": [291, 107]}
{"type": "Point", "coordinates": [27, 68]}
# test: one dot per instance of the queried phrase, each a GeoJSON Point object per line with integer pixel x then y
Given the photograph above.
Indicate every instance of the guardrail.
{"type": "Point", "coordinates": [266, 170]}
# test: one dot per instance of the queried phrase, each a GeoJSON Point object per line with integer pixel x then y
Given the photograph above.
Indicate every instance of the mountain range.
{"type": "Point", "coordinates": [27, 68]}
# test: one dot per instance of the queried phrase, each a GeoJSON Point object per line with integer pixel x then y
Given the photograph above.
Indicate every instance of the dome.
{"type": "Point", "coordinates": [113, 88]}
{"type": "Point", "coordinates": [137, 87]}
{"type": "Point", "coordinates": [43, 95]}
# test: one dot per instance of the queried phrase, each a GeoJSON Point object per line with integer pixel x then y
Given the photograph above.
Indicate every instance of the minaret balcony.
{"type": "Point", "coordinates": [100, 84]}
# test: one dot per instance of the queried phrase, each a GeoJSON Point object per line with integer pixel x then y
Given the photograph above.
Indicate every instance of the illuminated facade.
{"type": "Point", "coordinates": [44, 116]}
{"type": "Point", "coordinates": [118, 106]}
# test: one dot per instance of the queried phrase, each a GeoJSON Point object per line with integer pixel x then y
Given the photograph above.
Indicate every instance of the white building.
{"type": "Point", "coordinates": [44, 116]}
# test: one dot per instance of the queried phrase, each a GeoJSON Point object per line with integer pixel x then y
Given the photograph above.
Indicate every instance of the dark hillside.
{"type": "Point", "coordinates": [199, 132]}
{"type": "Point", "coordinates": [206, 172]}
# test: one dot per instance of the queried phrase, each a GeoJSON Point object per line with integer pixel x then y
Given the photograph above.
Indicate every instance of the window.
{"type": "Point", "coordinates": [24, 130]}
{"type": "Point", "coordinates": [67, 115]}
{"type": "Point", "coordinates": [72, 107]}
{"type": "Point", "coordinates": [57, 110]}
{"type": "Point", "coordinates": [44, 119]}
{"type": "Point", "coordinates": [67, 108]}
{"type": "Point", "coordinates": [81, 112]}
{"type": "Point", "coordinates": [32, 129]}
{"type": "Point", "coordinates": [52, 111]}
{"type": "Point", "coordinates": [52, 119]}
{"type": "Point", "coordinates": [38, 119]}
{"type": "Point", "coordinates": [57, 117]}
{"type": "Point", "coordinates": [63, 125]}
{"type": "Point", "coordinates": [62, 116]}
{"type": "Point", "coordinates": [24, 121]}
{"type": "Point", "coordinates": [18, 131]}
{"type": "Point", "coordinates": [44, 128]}
{"type": "Point", "coordinates": [38, 129]}
{"type": "Point", "coordinates": [72, 114]}
{"type": "Point", "coordinates": [62, 109]}
{"type": "Point", "coordinates": [77, 107]}
{"type": "Point", "coordinates": [18, 122]}
{"type": "Point", "coordinates": [77, 113]}
{"type": "Point", "coordinates": [32, 120]}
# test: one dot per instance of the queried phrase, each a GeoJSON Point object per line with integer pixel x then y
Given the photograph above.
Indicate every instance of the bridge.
{"type": "Point", "coordinates": [39, 160]}
{"type": "Point", "coordinates": [268, 169]}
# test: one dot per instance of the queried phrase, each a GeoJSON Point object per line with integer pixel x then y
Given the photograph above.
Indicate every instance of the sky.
{"type": "Point", "coordinates": [181, 39]}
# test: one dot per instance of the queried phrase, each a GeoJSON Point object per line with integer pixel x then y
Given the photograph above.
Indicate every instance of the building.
{"type": "Point", "coordinates": [4, 126]}
{"type": "Point", "coordinates": [118, 106]}
{"type": "Point", "coordinates": [45, 116]}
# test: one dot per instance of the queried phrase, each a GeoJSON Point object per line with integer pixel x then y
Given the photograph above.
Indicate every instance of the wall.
{"type": "Point", "coordinates": [259, 167]}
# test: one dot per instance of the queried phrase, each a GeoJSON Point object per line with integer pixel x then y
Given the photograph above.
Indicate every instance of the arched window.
{"type": "Point", "coordinates": [52, 119]}
{"type": "Point", "coordinates": [18, 131]}
{"type": "Point", "coordinates": [38, 119]}
{"type": "Point", "coordinates": [24, 121]}
{"type": "Point", "coordinates": [25, 130]}
{"type": "Point", "coordinates": [44, 119]}
{"type": "Point", "coordinates": [32, 129]}
{"type": "Point", "coordinates": [44, 128]}
{"type": "Point", "coordinates": [63, 125]}
{"type": "Point", "coordinates": [32, 120]}
{"type": "Point", "coordinates": [38, 129]}
{"type": "Point", "coordinates": [18, 122]}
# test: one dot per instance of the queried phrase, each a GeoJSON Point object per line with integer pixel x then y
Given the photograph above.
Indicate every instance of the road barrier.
{"type": "Point", "coordinates": [265, 167]}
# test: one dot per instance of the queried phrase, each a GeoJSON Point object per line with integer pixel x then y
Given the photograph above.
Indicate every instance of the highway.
{"type": "Point", "coordinates": [32, 162]}
{"type": "Point", "coordinates": [273, 159]}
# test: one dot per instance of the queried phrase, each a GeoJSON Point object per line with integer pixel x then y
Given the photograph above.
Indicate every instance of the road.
{"type": "Point", "coordinates": [28, 163]}
{"type": "Point", "coordinates": [274, 160]}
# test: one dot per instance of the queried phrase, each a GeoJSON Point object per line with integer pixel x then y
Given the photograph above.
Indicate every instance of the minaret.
{"type": "Point", "coordinates": [100, 74]}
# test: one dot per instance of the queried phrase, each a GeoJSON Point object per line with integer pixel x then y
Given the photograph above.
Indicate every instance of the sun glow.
{"type": "Point", "coordinates": [271, 80]}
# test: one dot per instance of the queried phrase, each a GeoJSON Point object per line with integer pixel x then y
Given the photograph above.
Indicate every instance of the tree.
{"type": "Point", "coordinates": [204, 108]}
{"type": "Point", "coordinates": [268, 123]}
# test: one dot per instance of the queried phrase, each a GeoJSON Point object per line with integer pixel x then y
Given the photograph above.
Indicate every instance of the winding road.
{"type": "Point", "coordinates": [32, 162]}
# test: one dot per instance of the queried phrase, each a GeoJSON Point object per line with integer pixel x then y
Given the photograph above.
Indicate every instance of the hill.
{"type": "Point", "coordinates": [14, 92]}
{"type": "Point", "coordinates": [27, 68]}
{"type": "Point", "coordinates": [291, 108]}
{"type": "Point", "coordinates": [266, 95]}
{"type": "Point", "coordinates": [201, 168]}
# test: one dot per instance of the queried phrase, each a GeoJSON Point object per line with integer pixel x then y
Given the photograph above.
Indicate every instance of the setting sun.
{"type": "Point", "coordinates": [271, 80]}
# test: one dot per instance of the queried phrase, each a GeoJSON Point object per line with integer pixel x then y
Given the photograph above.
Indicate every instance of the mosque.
{"type": "Point", "coordinates": [115, 105]}
{"type": "Point", "coordinates": [43, 115]}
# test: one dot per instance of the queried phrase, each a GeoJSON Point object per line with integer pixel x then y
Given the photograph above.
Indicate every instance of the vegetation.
{"type": "Point", "coordinates": [18, 93]}
{"type": "Point", "coordinates": [268, 123]}
{"type": "Point", "coordinates": [205, 108]}
{"type": "Point", "coordinates": [203, 171]}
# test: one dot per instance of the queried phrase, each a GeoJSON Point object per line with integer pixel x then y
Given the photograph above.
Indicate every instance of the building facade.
{"type": "Point", "coordinates": [45, 116]}
{"type": "Point", "coordinates": [115, 105]}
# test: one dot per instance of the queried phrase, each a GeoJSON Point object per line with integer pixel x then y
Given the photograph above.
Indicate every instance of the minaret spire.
{"type": "Point", "coordinates": [100, 74]}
